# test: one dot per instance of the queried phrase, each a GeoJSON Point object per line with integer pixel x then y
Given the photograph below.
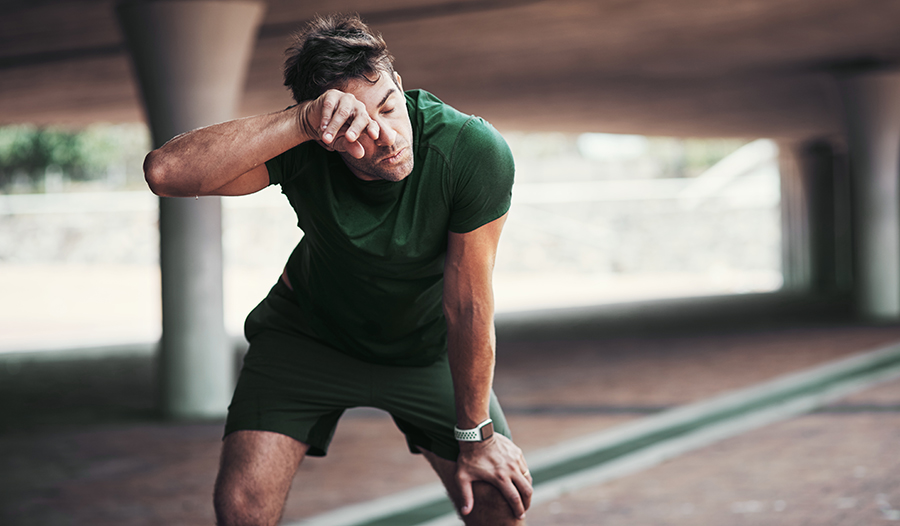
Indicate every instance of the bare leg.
{"type": "Point", "coordinates": [491, 509]}
{"type": "Point", "coordinates": [255, 474]}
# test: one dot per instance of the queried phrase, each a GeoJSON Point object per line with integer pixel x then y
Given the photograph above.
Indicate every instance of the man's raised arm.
{"type": "Point", "coordinates": [229, 158]}
{"type": "Point", "coordinates": [469, 308]}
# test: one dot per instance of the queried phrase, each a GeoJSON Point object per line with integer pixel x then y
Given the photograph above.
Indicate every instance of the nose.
{"type": "Point", "coordinates": [386, 135]}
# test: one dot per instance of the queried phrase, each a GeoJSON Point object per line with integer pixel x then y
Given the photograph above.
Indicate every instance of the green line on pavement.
{"type": "Point", "coordinates": [606, 454]}
{"type": "Point", "coordinates": [418, 515]}
{"type": "Point", "coordinates": [442, 506]}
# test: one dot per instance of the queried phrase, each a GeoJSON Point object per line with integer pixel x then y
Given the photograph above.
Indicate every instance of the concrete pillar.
{"type": "Point", "coordinates": [796, 261]}
{"type": "Point", "coordinates": [191, 58]}
{"type": "Point", "coordinates": [816, 223]}
{"type": "Point", "coordinates": [872, 113]}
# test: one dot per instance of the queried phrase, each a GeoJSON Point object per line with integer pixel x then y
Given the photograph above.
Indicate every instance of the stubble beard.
{"type": "Point", "coordinates": [394, 173]}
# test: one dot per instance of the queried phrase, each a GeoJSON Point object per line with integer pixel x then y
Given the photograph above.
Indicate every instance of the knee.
{"type": "Point", "coordinates": [238, 505]}
{"type": "Point", "coordinates": [254, 477]}
{"type": "Point", "coordinates": [491, 508]}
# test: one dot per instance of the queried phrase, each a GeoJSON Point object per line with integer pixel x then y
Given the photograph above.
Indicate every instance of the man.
{"type": "Point", "coordinates": [387, 299]}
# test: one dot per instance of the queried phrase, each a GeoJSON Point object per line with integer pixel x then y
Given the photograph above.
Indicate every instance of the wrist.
{"type": "Point", "coordinates": [305, 131]}
{"type": "Point", "coordinates": [479, 433]}
{"type": "Point", "coordinates": [469, 447]}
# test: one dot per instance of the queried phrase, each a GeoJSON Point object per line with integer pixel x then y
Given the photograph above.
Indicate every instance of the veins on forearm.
{"type": "Point", "coordinates": [471, 348]}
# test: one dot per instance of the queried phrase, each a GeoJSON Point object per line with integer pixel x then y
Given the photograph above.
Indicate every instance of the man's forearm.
{"type": "Point", "coordinates": [470, 340]}
{"type": "Point", "coordinates": [201, 161]}
{"type": "Point", "coordinates": [469, 309]}
{"type": "Point", "coordinates": [495, 460]}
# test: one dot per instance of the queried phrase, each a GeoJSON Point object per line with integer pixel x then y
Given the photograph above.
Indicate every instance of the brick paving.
{"type": "Point", "coordinates": [826, 468]}
{"type": "Point", "coordinates": [80, 444]}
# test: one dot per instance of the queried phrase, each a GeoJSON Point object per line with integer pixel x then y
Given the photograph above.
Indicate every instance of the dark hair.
{"type": "Point", "coordinates": [332, 50]}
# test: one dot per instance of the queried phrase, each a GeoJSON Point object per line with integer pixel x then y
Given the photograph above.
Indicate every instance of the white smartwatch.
{"type": "Point", "coordinates": [484, 431]}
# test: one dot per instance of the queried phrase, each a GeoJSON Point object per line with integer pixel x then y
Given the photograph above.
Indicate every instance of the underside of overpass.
{"type": "Point", "coordinates": [761, 68]}
{"type": "Point", "coordinates": [816, 75]}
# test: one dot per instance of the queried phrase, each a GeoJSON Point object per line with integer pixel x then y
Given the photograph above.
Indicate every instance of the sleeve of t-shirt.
{"type": "Point", "coordinates": [483, 171]}
{"type": "Point", "coordinates": [286, 166]}
{"type": "Point", "coordinates": [275, 167]}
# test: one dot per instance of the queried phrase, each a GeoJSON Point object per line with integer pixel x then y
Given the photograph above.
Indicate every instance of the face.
{"type": "Point", "coordinates": [390, 157]}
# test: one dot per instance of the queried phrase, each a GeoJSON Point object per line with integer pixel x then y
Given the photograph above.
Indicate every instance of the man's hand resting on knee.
{"type": "Point", "coordinates": [500, 463]}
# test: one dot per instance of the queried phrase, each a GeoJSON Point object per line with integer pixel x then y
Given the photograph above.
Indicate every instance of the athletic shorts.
{"type": "Point", "coordinates": [296, 385]}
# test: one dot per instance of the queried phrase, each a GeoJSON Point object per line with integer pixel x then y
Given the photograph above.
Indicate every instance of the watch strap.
{"type": "Point", "coordinates": [480, 433]}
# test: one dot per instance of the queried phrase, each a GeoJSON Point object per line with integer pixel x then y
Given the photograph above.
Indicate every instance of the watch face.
{"type": "Point", "coordinates": [487, 431]}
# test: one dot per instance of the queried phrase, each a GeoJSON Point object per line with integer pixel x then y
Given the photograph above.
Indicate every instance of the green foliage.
{"type": "Point", "coordinates": [27, 153]}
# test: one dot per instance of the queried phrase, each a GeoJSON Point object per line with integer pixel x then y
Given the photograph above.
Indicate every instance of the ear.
{"type": "Point", "coordinates": [399, 81]}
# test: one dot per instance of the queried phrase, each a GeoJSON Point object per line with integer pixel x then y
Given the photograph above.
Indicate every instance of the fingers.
{"type": "Point", "coordinates": [515, 488]}
{"type": "Point", "coordinates": [355, 149]}
{"type": "Point", "coordinates": [501, 464]}
{"type": "Point", "coordinates": [342, 115]}
{"type": "Point", "coordinates": [523, 466]}
{"type": "Point", "coordinates": [511, 493]}
{"type": "Point", "coordinates": [361, 124]}
{"type": "Point", "coordinates": [468, 499]}
{"type": "Point", "coordinates": [518, 492]}
{"type": "Point", "coordinates": [373, 130]}
{"type": "Point", "coordinates": [524, 484]}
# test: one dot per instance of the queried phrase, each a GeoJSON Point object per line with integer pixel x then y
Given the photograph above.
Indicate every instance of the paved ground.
{"type": "Point", "coordinates": [80, 442]}
{"type": "Point", "coordinates": [838, 466]}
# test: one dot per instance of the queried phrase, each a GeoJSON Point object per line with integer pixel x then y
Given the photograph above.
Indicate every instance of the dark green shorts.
{"type": "Point", "coordinates": [295, 385]}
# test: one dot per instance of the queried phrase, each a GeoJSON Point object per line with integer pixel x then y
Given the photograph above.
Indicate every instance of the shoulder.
{"type": "Point", "coordinates": [477, 135]}
{"type": "Point", "coordinates": [428, 111]}
{"type": "Point", "coordinates": [436, 125]}
{"type": "Point", "coordinates": [441, 127]}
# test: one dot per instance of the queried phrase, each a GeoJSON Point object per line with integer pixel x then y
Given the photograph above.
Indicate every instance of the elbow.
{"type": "Point", "coordinates": [159, 175]}
{"type": "Point", "coordinates": [155, 173]}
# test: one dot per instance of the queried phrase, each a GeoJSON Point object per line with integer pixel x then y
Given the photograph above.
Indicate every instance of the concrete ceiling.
{"type": "Point", "coordinates": [745, 68]}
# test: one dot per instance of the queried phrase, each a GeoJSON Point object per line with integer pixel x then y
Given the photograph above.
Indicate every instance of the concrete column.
{"type": "Point", "coordinates": [796, 261]}
{"type": "Point", "coordinates": [872, 113]}
{"type": "Point", "coordinates": [191, 58]}
{"type": "Point", "coordinates": [816, 223]}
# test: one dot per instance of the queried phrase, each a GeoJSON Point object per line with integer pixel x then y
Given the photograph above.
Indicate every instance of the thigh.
{"type": "Point", "coordinates": [255, 474]}
{"type": "Point", "coordinates": [296, 386]}
{"type": "Point", "coordinates": [422, 403]}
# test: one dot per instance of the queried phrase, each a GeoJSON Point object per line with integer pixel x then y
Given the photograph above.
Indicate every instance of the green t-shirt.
{"type": "Point", "coordinates": [368, 273]}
